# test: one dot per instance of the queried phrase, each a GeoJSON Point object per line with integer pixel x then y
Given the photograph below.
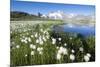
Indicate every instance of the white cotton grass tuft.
{"type": "Point", "coordinates": [39, 48]}
{"type": "Point", "coordinates": [58, 56]}
{"type": "Point", "coordinates": [22, 40]}
{"type": "Point", "coordinates": [29, 39]}
{"type": "Point", "coordinates": [37, 40]}
{"type": "Point", "coordinates": [81, 49]}
{"type": "Point", "coordinates": [73, 51]}
{"type": "Point", "coordinates": [57, 47]}
{"type": "Point", "coordinates": [65, 44]}
{"type": "Point", "coordinates": [72, 57]}
{"type": "Point", "coordinates": [41, 30]}
{"type": "Point", "coordinates": [36, 35]}
{"type": "Point", "coordinates": [70, 38]}
{"type": "Point", "coordinates": [45, 32]}
{"type": "Point", "coordinates": [32, 46]}
{"type": "Point", "coordinates": [12, 43]}
{"type": "Point", "coordinates": [53, 41]}
{"type": "Point", "coordinates": [17, 46]}
{"type": "Point", "coordinates": [47, 36]}
{"type": "Point", "coordinates": [25, 55]}
{"type": "Point", "coordinates": [87, 57]}
{"type": "Point", "coordinates": [88, 54]}
{"type": "Point", "coordinates": [40, 52]}
{"type": "Point", "coordinates": [62, 50]}
{"type": "Point", "coordinates": [59, 39]}
{"type": "Point", "coordinates": [26, 38]}
{"type": "Point", "coordinates": [32, 36]}
{"type": "Point", "coordinates": [41, 42]}
{"type": "Point", "coordinates": [32, 52]}
{"type": "Point", "coordinates": [25, 41]}
{"type": "Point", "coordinates": [44, 39]}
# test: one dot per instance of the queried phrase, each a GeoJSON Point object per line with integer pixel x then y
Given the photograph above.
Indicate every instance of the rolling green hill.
{"type": "Point", "coordinates": [17, 15]}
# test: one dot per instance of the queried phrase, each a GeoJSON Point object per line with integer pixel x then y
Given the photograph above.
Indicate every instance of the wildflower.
{"type": "Point", "coordinates": [72, 57]}
{"type": "Point", "coordinates": [32, 52]}
{"type": "Point", "coordinates": [81, 49]}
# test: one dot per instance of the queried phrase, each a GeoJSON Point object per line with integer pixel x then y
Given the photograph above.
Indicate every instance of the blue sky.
{"type": "Point", "coordinates": [45, 8]}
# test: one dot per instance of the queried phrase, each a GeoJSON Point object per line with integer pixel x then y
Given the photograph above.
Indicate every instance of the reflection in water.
{"type": "Point", "coordinates": [84, 30]}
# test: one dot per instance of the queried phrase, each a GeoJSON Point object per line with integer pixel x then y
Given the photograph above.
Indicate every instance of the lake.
{"type": "Point", "coordinates": [84, 30]}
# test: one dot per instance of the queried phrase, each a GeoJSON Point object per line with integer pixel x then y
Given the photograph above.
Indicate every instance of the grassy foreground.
{"type": "Point", "coordinates": [36, 44]}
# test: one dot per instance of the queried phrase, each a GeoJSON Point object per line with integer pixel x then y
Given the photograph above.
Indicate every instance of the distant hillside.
{"type": "Point", "coordinates": [17, 15]}
{"type": "Point", "coordinates": [23, 16]}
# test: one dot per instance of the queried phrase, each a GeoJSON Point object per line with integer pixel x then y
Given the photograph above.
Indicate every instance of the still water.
{"type": "Point", "coordinates": [85, 30]}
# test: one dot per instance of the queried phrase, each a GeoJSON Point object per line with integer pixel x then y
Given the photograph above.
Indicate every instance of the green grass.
{"type": "Point", "coordinates": [21, 51]}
